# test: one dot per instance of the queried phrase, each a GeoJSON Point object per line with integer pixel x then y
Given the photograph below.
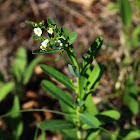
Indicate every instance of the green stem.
{"type": "Point", "coordinates": [36, 110]}
{"type": "Point", "coordinates": [78, 123]}
{"type": "Point", "coordinates": [72, 56]}
{"type": "Point", "coordinates": [79, 134]}
{"type": "Point", "coordinates": [35, 135]}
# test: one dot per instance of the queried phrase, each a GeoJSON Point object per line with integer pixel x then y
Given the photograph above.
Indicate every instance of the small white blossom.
{"type": "Point", "coordinates": [61, 44]}
{"type": "Point", "coordinates": [42, 47]}
{"type": "Point", "coordinates": [38, 31]}
{"type": "Point", "coordinates": [57, 44]}
{"type": "Point", "coordinates": [44, 44]}
{"type": "Point", "coordinates": [50, 31]}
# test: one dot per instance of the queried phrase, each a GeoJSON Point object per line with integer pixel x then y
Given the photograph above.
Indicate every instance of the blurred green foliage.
{"type": "Point", "coordinates": [21, 72]}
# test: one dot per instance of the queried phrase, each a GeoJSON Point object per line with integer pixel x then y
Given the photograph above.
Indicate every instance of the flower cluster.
{"type": "Point", "coordinates": [59, 38]}
{"type": "Point", "coordinates": [57, 41]}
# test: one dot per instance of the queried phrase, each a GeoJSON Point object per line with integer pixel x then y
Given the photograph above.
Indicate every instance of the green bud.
{"type": "Point", "coordinates": [36, 25]}
{"type": "Point", "coordinates": [71, 50]}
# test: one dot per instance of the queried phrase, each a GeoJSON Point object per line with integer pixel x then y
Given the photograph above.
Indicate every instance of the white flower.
{"type": "Point", "coordinates": [57, 44]}
{"type": "Point", "coordinates": [42, 47]}
{"type": "Point", "coordinates": [44, 44]}
{"type": "Point", "coordinates": [50, 31]}
{"type": "Point", "coordinates": [38, 31]}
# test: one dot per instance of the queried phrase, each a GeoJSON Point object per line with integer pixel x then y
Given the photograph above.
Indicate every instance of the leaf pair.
{"type": "Point", "coordinates": [64, 98]}
{"type": "Point", "coordinates": [71, 37]}
{"type": "Point", "coordinates": [92, 121]}
{"type": "Point", "coordinates": [89, 120]}
{"type": "Point", "coordinates": [54, 90]}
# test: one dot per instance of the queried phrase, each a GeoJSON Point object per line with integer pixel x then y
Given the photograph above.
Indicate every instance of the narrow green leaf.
{"type": "Point", "coordinates": [30, 69]}
{"type": "Point", "coordinates": [55, 125]}
{"type": "Point", "coordinates": [58, 57]}
{"type": "Point", "coordinates": [42, 135]}
{"type": "Point", "coordinates": [21, 59]}
{"type": "Point", "coordinates": [132, 135]}
{"type": "Point", "coordinates": [130, 96]}
{"type": "Point", "coordinates": [111, 114]}
{"type": "Point", "coordinates": [126, 12]}
{"type": "Point", "coordinates": [127, 134]}
{"type": "Point", "coordinates": [50, 21]}
{"type": "Point", "coordinates": [16, 121]}
{"type": "Point", "coordinates": [86, 126]}
{"type": "Point", "coordinates": [108, 116]}
{"type": "Point", "coordinates": [71, 55]}
{"type": "Point", "coordinates": [135, 36]}
{"type": "Point", "coordinates": [57, 93]}
{"type": "Point", "coordinates": [68, 134]}
{"type": "Point", "coordinates": [16, 74]}
{"type": "Point", "coordinates": [31, 22]}
{"type": "Point", "coordinates": [68, 110]}
{"type": "Point", "coordinates": [95, 75]}
{"type": "Point", "coordinates": [91, 134]}
{"type": "Point", "coordinates": [131, 103]}
{"type": "Point", "coordinates": [115, 136]}
{"type": "Point", "coordinates": [7, 88]}
{"type": "Point", "coordinates": [57, 30]}
{"type": "Point", "coordinates": [79, 103]}
{"type": "Point", "coordinates": [39, 51]}
{"type": "Point", "coordinates": [73, 70]}
{"type": "Point", "coordinates": [91, 54]}
{"type": "Point", "coordinates": [89, 119]}
{"type": "Point", "coordinates": [57, 75]}
{"type": "Point", "coordinates": [19, 64]}
{"type": "Point", "coordinates": [90, 106]}
{"type": "Point", "coordinates": [64, 32]}
{"type": "Point", "coordinates": [35, 37]}
{"type": "Point", "coordinates": [72, 37]}
{"type": "Point", "coordinates": [82, 80]}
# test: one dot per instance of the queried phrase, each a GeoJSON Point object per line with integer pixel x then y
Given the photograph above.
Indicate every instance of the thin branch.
{"type": "Point", "coordinates": [36, 110]}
